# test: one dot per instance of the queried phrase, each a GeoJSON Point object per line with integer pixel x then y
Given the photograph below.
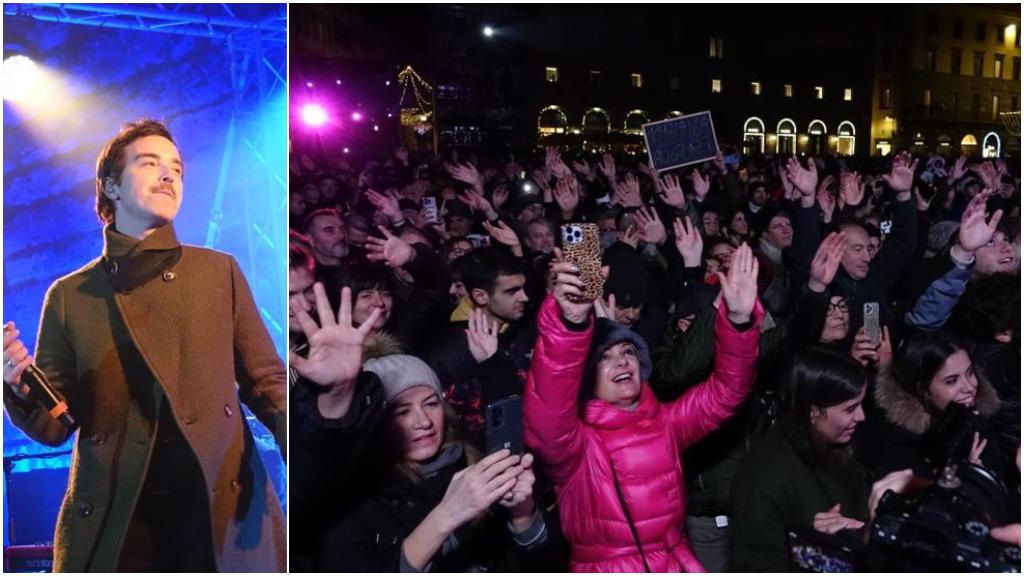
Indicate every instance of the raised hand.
{"type": "Point", "coordinates": [826, 262]}
{"type": "Point", "coordinates": [826, 200]}
{"type": "Point", "coordinates": [901, 176]}
{"type": "Point", "coordinates": [974, 231]}
{"type": "Point", "coordinates": [701, 184]}
{"type": "Point", "coordinates": [567, 195]}
{"type": "Point", "coordinates": [390, 250]}
{"type": "Point", "coordinates": [482, 335]}
{"type": "Point", "coordinates": [468, 174]}
{"type": "Point", "coordinates": [805, 180]}
{"type": "Point", "coordinates": [632, 184]}
{"type": "Point", "coordinates": [555, 164]}
{"type": "Point", "coordinates": [959, 167]}
{"type": "Point", "coordinates": [788, 190]}
{"type": "Point", "coordinates": [671, 192]}
{"type": "Point", "coordinates": [502, 233]}
{"type": "Point", "coordinates": [851, 189]}
{"type": "Point", "coordinates": [863, 351]}
{"type": "Point", "coordinates": [651, 228]}
{"type": "Point", "coordinates": [500, 196]}
{"type": "Point", "coordinates": [569, 290]}
{"type": "Point", "coordinates": [977, 447]}
{"type": "Point", "coordinates": [626, 196]}
{"type": "Point", "coordinates": [739, 288]}
{"type": "Point", "coordinates": [478, 202]}
{"type": "Point", "coordinates": [335, 347]}
{"type": "Point", "coordinates": [689, 242]}
{"type": "Point", "coordinates": [719, 163]}
{"type": "Point", "coordinates": [832, 521]}
{"type": "Point", "coordinates": [989, 175]}
{"type": "Point", "coordinates": [387, 203]}
{"type": "Point", "coordinates": [584, 169]}
{"type": "Point", "coordinates": [607, 166]}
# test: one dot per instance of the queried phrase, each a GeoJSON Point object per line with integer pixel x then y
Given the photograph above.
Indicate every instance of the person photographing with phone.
{"type": "Point", "coordinates": [431, 509]}
{"type": "Point", "coordinates": [613, 451]}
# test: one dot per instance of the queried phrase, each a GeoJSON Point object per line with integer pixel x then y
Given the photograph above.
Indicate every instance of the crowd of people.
{"type": "Point", "coordinates": [776, 341]}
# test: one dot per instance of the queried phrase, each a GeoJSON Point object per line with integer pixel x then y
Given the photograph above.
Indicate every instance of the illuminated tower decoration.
{"type": "Point", "coordinates": [416, 106]}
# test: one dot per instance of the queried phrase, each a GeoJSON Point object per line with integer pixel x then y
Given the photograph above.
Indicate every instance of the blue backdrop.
{"type": "Point", "coordinates": [225, 101]}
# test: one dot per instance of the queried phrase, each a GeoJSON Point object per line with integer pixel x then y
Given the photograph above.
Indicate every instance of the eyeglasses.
{"type": "Point", "coordinates": [841, 306]}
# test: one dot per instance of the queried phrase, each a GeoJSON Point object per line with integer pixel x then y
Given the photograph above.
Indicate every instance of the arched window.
{"type": "Point", "coordinates": [817, 138]}
{"type": "Point", "coordinates": [991, 146]}
{"type": "Point", "coordinates": [847, 139]}
{"type": "Point", "coordinates": [596, 121]}
{"type": "Point", "coordinates": [635, 120]}
{"type": "Point", "coordinates": [753, 136]}
{"type": "Point", "coordinates": [968, 145]}
{"type": "Point", "coordinates": [785, 137]}
{"type": "Point", "coordinates": [552, 120]}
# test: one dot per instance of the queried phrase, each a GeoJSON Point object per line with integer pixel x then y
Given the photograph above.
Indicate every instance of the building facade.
{"type": "Point", "coordinates": [948, 85]}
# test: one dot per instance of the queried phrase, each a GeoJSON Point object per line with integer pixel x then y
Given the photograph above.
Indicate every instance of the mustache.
{"type": "Point", "coordinates": [169, 190]}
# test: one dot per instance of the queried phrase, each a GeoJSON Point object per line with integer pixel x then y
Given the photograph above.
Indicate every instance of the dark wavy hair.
{"type": "Point", "coordinates": [991, 305]}
{"type": "Point", "coordinates": [111, 161]}
{"type": "Point", "coordinates": [920, 358]}
{"type": "Point", "coordinates": [818, 377]}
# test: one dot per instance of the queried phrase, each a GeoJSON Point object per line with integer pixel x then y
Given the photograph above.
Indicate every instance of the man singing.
{"type": "Point", "coordinates": [151, 345]}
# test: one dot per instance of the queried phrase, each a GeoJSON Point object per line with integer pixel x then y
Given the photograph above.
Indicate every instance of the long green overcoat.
{"type": "Point", "coordinates": [192, 337]}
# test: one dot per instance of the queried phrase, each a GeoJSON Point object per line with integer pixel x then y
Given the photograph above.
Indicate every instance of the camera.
{"type": "Point", "coordinates": [945, 528]}
{"type": "Point", "coordinates": [572, 234]}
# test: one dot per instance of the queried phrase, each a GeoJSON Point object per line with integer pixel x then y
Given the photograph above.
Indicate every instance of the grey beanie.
{"type": "Point", "coordinates": [399, 372]}
{"type": "Point", "coordinates": [608, 334]}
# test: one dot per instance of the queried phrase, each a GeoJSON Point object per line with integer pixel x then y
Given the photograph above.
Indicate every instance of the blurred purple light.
{"type": "Point", "coordinates": [309, 84]}
{"type": "Point", "coordinates": [357, 116]}
{"type": "Point", "coordinates": [314, 115]}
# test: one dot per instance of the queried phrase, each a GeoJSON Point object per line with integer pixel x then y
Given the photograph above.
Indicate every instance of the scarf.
{"type": "Point", "coordinates": [130, 263]}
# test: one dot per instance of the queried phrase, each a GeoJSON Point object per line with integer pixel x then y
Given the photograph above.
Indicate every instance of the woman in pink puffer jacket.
{"type": "Point", "coordinates": [590, 418]}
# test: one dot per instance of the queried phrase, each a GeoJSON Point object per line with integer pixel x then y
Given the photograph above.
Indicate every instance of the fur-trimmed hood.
{"type": "Point", "coordinates": [380, 343]}
{"type": "Point", "coordinates": [907, 411]}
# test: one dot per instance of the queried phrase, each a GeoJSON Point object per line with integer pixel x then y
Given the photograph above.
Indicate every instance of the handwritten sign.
{"type": "Point", "coordinates": [681, 141]}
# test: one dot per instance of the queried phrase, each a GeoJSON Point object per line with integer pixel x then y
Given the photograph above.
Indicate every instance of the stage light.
{"type": "Point", "coordinates": [21, 76]}
{"type": "Point", "coordinates": [488, 31]}
{"type": "Point", "coordinates": [309, 84]}
{"type": "Point", "coordinates": [387, 82]}
{"type": "Point", "coordinates": [345, 150]}
{"type": "Point", "coordinates": [357, 117]}
{"type": "Point", "coordinates": [376, 128]}
{"type": "Point", "coordinates": [314, 115]}
{"type": "Point", "coordinates": [338, 82]}
{"type": "Point", "coordinates": [390, 114]}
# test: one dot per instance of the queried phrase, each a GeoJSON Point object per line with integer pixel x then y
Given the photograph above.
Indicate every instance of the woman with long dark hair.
{"type": "Point", "coordinates": [802, 473]}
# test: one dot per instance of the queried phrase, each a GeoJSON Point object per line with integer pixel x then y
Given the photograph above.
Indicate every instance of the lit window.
{"type": "Point", "coordinates": [551, 73]}
{"type": "Point", "coordinates": [819, 92]}
{"type": "Point", "coordinates": [716, 86]}
{"type": "Point", "coordinates": [636, 80]}
{"type": "Point", "coordinates": [716, 48]}
{"type": "Point", "coordinates": [848, 94]}
{"type": "Point", "coordinates": [789, 90]}
{"type": "Point", "coordinates": [927, 99]}
{"type": "Point", "coordinates": [755, 88]}
{"type": "Point", "coordinates": [995, 107]}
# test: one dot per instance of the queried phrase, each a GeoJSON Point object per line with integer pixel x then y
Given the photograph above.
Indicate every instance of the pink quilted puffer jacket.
{"type": "Point", "coordinates": [645, 446]}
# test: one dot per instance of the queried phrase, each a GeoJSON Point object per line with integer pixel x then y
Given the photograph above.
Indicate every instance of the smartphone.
{"type": "Point", "coordinates": [430, 209]}
{"type": "Point", "coordinates": [871, 322]}
{"type": "Point", "coordinates": [581, 245]}
{"type": "Point", "coordinates": [731, 159]}
{"type": "Point", "coordinates": [479, 240]}
{"type": "Point", "coordinates": [504, 425]}
{"type": "Point", "coordinates": [885, 226]}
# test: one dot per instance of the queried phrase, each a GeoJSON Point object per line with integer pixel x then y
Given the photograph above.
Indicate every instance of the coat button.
{"type": "Point", "coordinates": [85, 510]}
{"type": "Point", "coordinates": [97, 439]}
{"type": "Point", "coordinates": [169, 276]}
{"type": "Point", "coordinates": [410, 504]}
{"type": "Point", "coordinates": [228, 411]}
{"type": "Point", "coordinates": [235, 486]}
{"type": "Point", "coordinates": [190, 419]}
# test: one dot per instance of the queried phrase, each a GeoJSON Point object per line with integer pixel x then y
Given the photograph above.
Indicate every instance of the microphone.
{"type": "Point", "coordinates": [42, 391]}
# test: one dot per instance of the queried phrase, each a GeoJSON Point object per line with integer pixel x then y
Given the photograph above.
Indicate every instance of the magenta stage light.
{"type": "Point", "coordinates": [357, 116]}
{"type": "Point", "coordinates": [314, 115]}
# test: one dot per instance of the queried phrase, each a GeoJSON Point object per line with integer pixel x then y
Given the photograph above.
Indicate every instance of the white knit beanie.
{"type": "Point", "coordinates": [399, 372]}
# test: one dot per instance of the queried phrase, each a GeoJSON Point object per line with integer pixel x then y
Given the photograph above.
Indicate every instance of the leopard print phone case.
{"type": "Point", "coordinates": [581, 245]}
